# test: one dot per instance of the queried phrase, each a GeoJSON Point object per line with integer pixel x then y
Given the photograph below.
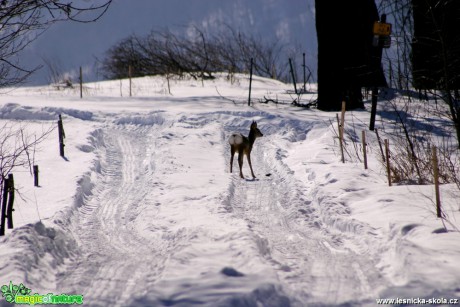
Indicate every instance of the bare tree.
{"type": "Point", "coordinates": [427, 50]}
{"type": "Point", "coordinates": [424, 56]}
{"type": "Point", "coordinates": [198, 54]}
{"type": "Point", "coordinates": [397, 60]}
{"type": "Point", "coordinates": [57, 75]}
{"type": "Point", "coordinates": [17, 148]}
{"type": "Point", "coordinates": [22, 21]}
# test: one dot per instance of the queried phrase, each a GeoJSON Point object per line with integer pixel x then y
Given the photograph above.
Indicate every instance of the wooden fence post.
{"type": "Point", "coordinates": [304, 75]}
{"type": "Point", "coordinates": [36, 175]}
{"type": "Point", "coordinates": [250, 81]}
{"type": "Point", "coordinates": [81, 82]}
{"type": "Point", "coordinates": [387, 155]}
{"type": "Point", "coordinates": [375, 96]}
{"type": "Point", "coordinates": [10, 201]}
{"type": "Point", "coordinates": [4, 203]}
{"type": "Point", "coordinates": [380, 145]}
{"type": "Point", "coordinates": [342, 129]}
{"type": "Point", "coordinates": [364, 149]}
{"type": "Point", "coordinates": [61, 136]}
{"type": "Point", "coordinates": [293, 76]}
{"type": "Point", "coordinates": [436, 181]}
{"type": "Point", "coordinates": [339, 128]}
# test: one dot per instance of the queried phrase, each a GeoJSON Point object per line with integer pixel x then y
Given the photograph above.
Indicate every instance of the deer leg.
{"type": "Point", "coordinates": [240, 162]}
{"type": "Point", "coordinates": [250, 166]}
{"type": "Point", "coordinates": [232, 151]}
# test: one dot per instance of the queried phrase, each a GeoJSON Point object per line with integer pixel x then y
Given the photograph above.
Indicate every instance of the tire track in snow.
{"type": "Point", "coordinates": [114, 256]}
{"type": "Point", "coordinates": [153, 233]}
{"type": "Point", "coordinates": [125, 255]}
{"type": "Point", "coordinates": [313, 263]}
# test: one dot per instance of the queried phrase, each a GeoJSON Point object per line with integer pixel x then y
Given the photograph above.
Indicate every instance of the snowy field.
{"type": "Point", "coordinates": [143, 210]}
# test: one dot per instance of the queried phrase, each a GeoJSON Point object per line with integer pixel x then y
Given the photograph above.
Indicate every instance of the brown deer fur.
{"type": "Point", "coordinates": [243, 145]}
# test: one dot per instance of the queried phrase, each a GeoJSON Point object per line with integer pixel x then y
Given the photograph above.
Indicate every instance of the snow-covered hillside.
{"type": "Point", "coordinates": [144, 212]}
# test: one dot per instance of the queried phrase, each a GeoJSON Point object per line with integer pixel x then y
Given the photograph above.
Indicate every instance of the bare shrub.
{"type": "Point", "coordinates": [198, 54]}
{"type": "Point", "coordinates": [413, 128]}
{"type": "Point", "coordinates": [17, 148]}
{"type": "Point", "coordinates": [22, 21]}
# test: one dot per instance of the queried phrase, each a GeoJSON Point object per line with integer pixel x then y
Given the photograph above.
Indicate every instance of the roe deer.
{"type": "Point", "coordinates": [243, 145]}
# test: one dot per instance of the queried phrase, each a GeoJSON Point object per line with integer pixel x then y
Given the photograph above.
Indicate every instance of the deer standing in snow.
{"type": "Point", "coordinates": [243, 145]}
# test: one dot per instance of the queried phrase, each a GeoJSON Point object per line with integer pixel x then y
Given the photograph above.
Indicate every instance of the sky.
{"type": "Point", "coordinates": [70, 45]}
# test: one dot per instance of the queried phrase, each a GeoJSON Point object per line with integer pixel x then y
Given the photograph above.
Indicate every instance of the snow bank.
{"type": "Point", "coordinates": [14, 111]}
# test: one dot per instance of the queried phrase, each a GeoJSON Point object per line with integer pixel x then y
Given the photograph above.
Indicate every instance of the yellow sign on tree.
{"type": "Point", "coordinates": [382, 28]}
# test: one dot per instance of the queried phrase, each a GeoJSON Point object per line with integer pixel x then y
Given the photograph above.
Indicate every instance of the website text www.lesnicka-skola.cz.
{"type": "Point", "coordinates": [418, 301]}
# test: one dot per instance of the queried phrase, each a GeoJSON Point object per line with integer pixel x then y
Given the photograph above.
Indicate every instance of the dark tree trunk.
{"type": "Point", "coordinates": [436, 50]}
{"type": "Point", "coordinates": [436, 44]}
{"type": "Point", "coordinates": [347, 61]}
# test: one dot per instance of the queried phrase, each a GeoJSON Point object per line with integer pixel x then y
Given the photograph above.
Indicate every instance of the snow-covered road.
{"type": "Point", "coordinates": [164, 223]}
{"type": "Point", "coordinates": [144, 212]}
